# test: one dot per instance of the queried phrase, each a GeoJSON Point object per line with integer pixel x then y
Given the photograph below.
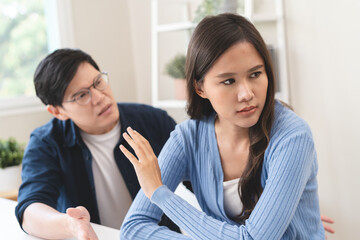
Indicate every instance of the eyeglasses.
{"type": "Point", "coordinates": [83, 96]}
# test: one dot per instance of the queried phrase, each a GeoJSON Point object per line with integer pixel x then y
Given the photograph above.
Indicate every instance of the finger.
{"type": "Point", "coordinates": [134, 143]}
{"type": "Point", "coordinates": [129, 155]}
{"type": "Point", "coordinates": [140, 145]}
{"type": "Point", "coordinates": [136, 135]}
{"type": "Point", "coordinates": [142, 142]}
{"type": "Point", "coordinates": [74, 213]}
{"type": "Point", "coordinates": [329, 229]}
{"type": "Point", "coordinates": [78, 212]}
{"type": "Point", "coordinates": [129, 139]}
{"type": "Point", "coordinates": [327, 219]}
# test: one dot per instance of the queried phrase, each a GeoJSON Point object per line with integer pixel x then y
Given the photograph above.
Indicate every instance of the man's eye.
{"type": "Point", "coordinates": [98, 82]}
{"type": "Point", "coordinates": [255, 75]}
{"type": "Point", "coordinates": [81, 95]}
{"type": "Point", "coordinates": [229, 81]}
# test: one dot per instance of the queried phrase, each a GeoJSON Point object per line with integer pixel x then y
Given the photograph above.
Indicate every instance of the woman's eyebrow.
{"type": "Point", "coordinates": [231, 74]}
{"type": "Point", "coordinates": [225, 75]}
{"type": "Point", "coordinates": [256, 68]}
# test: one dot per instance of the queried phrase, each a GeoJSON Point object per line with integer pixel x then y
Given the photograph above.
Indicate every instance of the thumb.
{"type": "Point", "coordinates": [78, 212]}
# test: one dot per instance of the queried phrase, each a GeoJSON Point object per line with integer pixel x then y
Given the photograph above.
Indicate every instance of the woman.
{"type": "Point", "coordinates": [251, 161]}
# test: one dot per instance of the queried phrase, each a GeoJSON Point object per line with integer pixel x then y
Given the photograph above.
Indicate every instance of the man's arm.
{"type": "Point", "coordinates": [42, 179]}
{"type": "Point", "coordinates": [43, 221]}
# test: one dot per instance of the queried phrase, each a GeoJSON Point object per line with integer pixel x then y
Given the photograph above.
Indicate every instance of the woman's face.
{"type": "Point", "coordinates": [236, 85]}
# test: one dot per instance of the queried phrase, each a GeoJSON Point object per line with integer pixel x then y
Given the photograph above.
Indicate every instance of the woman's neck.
{"type": "Point", "coordinates": [234, 144]}
{"type": "Point", "coordinates": [231, 132]}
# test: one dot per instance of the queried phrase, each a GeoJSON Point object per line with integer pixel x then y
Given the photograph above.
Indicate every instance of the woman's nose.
{"type": "Point", "coordinates": [244, 93]}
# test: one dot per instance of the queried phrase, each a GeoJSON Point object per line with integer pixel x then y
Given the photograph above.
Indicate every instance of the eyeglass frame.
{"type": "Point", "coordinates": [102, 75]}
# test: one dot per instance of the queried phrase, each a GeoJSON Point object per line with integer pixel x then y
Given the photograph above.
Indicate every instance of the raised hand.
{"type": "Point", "coordinates": [146, 165]}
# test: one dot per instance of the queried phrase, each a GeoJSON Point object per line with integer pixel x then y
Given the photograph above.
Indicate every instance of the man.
{"type": "Point", "coordinates": [73, 170]}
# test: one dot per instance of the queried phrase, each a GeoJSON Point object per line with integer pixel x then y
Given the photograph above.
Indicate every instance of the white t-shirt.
{"type": "Point", "coordinates": [232, 201]}
{"type": "Point", "coordinates": [112, 195]}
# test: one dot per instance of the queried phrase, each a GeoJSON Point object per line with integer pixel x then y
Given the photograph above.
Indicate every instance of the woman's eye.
{"type": "Point", "coordinates": [228, 81]}
{"type": "Point", "coordinates": [255, 75]}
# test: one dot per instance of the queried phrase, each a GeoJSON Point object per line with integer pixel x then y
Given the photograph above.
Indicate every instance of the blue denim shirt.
{"type": "Point", "coordinates": [57, 165]}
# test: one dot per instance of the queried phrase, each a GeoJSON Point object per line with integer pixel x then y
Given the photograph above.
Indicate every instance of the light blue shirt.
{"type": "Point", "coordinates": [287, 209]}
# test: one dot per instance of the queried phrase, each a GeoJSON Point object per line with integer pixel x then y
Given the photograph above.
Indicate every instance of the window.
{"type": "Point", "coordinates": [23, 43]}
{"type": "Point", "coordinates": [29, 30]}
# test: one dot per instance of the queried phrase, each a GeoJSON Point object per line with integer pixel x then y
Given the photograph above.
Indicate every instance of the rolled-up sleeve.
{"type": "Point", "coordinates": [41, 176]}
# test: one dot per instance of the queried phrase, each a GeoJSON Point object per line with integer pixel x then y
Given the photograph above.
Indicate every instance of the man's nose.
{"type": "Point", "coordinates": [96, 96]}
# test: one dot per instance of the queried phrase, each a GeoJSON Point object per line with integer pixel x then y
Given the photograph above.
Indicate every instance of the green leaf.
{"type": "Point", "coordinates": [176, 66]}
{"type": "Point", "coordinates": [11, 152]}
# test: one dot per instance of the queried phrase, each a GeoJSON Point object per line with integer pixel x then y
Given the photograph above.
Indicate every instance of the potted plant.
{"type": "Point", "coordinates": [11, 154]}
{"type": "Point", "coordinates": [214, 7]}
{"type": "Point", "coordinates": [175, 68]}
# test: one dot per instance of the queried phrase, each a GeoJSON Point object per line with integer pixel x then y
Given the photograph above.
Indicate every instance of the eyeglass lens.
{"type": "Point", "coordinates": [84, 96]}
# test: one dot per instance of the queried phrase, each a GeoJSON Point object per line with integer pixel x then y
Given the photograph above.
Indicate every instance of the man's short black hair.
{"type": "Point", "coordinates": [55, 72]}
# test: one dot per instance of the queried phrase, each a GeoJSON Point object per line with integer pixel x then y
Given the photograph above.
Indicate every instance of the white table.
{"type": "Point", "coordinates": [10, 229]}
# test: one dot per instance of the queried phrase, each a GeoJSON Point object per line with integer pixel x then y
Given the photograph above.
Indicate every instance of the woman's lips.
{"type": "Point", "coordinates": [247, 110]}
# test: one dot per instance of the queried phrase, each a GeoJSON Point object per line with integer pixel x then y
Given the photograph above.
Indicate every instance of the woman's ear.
{"type": "Point", "coordinates": [57, 112]}
{"type": "Point", "coordinates": [198, 86]}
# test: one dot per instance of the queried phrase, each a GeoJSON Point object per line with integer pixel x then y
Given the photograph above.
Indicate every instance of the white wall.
{"type": "Point", "coordinates": [102, 29]}
{"type": "Point", "coordinates": [323, 38]}
{"type": "Point", "coordinates": [21, 125]}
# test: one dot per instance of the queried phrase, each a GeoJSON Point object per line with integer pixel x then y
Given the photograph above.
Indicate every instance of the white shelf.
{"type": "Point", "coordinates": [173, 103]}
{"type": "Point", "coordinates": [276, 17]}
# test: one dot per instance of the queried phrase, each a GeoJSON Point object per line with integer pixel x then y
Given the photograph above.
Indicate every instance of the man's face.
{"type": "Point", "coordinates": [98, 116]}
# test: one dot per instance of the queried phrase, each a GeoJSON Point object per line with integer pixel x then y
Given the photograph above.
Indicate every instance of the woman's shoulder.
{"type": "Point", "coordinates": [287, 122]}
{"type": "Point", "coordinates": [195, 128]}
{"type": "Point", "coordinates": [289, 133]}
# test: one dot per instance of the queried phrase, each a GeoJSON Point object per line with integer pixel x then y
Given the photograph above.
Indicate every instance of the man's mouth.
{"type": "Point", "coordinates": [104, 109]}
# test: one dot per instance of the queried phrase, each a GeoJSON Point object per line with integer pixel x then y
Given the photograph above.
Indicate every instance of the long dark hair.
{"type": "Point", "coordinates": [211, 38]}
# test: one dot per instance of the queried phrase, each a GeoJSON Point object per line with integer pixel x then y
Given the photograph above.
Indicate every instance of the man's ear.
{"type": "Point", "coordinates": [198, 88]}
{"type": "Point", "coordinates": [57, 112]}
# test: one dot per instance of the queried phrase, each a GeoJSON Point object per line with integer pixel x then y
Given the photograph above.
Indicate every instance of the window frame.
{"type": "Point", "coordinates": [60, 33]}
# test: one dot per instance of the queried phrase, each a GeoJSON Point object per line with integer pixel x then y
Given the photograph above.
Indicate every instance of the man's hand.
{"type": "Point", "coordinates": [43, 221]}
{"type": "Point", "coordinates": [79, 224]}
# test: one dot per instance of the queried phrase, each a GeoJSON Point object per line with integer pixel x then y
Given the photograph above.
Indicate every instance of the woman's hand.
{"type": "Point", "coordinates": [327, 228]}
{"type": "Point", "coordinates": [147, 167]}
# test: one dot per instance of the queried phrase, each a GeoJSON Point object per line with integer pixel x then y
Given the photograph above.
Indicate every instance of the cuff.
{"type": "Point", "coordinates": [161, 195]}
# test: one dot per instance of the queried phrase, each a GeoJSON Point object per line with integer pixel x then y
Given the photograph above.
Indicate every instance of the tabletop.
{"type": "Point", "coordinates": [10, 229]}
